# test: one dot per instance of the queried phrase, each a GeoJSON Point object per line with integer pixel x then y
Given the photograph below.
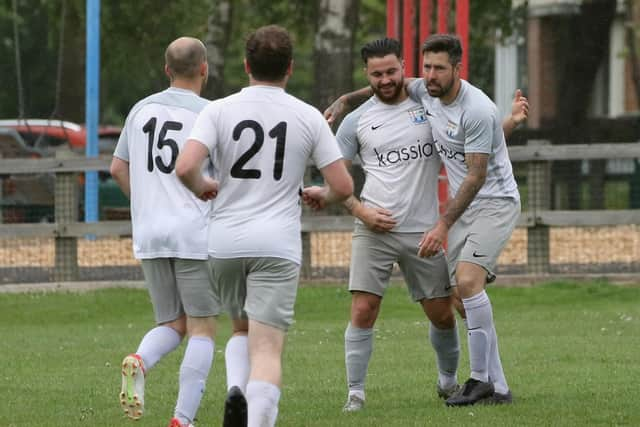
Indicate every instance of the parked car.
{"type": "Point", "coordinates": [29, 198]}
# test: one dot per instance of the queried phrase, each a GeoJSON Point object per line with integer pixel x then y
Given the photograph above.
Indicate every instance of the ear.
{"type": "Point", "coordinates": [167, 72]}
{"type": "Point", "coordinates": [247, 69]}
{"type": "Point", "coordinates": [290, 68]}
{"type": "Point", "coordinates": [204, 69]}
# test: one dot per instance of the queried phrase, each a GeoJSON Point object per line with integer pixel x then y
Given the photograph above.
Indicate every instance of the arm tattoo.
{"type": "Point", "coordinates": [477, 172]}
{"type": "Point", "coordinates": [351, 203]}
{"type": "Point", "coordinates": [356, 98]}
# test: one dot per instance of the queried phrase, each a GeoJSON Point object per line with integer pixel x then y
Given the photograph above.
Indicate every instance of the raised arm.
{"type": "Point", "coordinates": [519, 113]}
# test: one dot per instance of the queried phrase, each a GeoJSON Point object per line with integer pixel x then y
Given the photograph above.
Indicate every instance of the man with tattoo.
{"type": "Point", "coordinates": [484, 205]}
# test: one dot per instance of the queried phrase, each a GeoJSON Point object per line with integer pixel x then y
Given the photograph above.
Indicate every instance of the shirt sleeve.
{"type": "Point", "coordinates": [416, 90]}
{"type": "Point", "coordinates": [122, 148]}
{"type": "Point", "coordinates": [347, 136]}
{"type": "Point", "coordinates": [325, 149]}
{"type": "Point", "coordinates": [204, 128]}
{"type": "Point", "coordinates": [478, 131]}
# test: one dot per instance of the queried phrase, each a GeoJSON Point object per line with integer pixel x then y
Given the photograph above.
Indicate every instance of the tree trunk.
{"type": "Point", "coordinates": [333, 50]}
{"type": "Point", "coordinates": [633, 35]}
{"type": "Point", "coordinates": [72, 83]}
{"type": "Point", "coordinates": [218, 32]}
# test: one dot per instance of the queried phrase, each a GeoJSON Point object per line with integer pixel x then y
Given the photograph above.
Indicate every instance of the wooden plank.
{"type": "Point", "coordinates": [588, 218]}
{"type": "Point", "coordinates": [53, 165]}
{"type": "Point", "coordinates": [575, 152]}
{"type": "Point", "coordinates": [72, 229]}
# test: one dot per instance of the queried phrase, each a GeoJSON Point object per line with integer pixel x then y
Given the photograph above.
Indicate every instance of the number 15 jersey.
{"type": "Point", "coordinates": [260, 140]}
{"type": "Point", "coordinates": [167, 219]}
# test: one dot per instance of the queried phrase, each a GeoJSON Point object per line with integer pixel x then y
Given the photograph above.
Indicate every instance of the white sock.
{"type": "Point", "coordinates": [194, 371]}
{"type": "Point", "coordinates": [479, 324]}
{"type": "Point", "coordinates": [158, 342]}
{"type": "Point", "coordinates": [447, 348]}
{"type": "Point", "coordinates": [236, 359]}
{"type": "Point", "coordinates": [358, 347]}
{"type": "Point", "coordinates": [262, 402]}
{"type": "Point", "coordinates": [496, 374]}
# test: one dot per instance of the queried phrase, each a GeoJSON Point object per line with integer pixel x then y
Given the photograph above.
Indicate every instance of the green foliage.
{"type": "Point", "coordinates": [569, 352]}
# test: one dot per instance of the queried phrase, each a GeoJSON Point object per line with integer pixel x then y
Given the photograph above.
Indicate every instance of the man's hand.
{"type": "Point", "coordinates": [336, 111]}
{"type": "Point", "coordinates": [376, 219]}
{"type": "Point", "coordinates": [519, 108]}
{"type": "Point", "coordinates": [314, 197]}
{"type": "Point", "coordinates": [209, 189]}
{"type": "Point", "coordinates": [433, 240]}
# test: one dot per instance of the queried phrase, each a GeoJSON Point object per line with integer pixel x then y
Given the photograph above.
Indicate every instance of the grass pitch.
{"type": "Point", "coordinates": [571, 353]}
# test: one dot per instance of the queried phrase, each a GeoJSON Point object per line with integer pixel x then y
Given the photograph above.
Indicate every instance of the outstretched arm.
{"type": "Point", "coordinates": [346, 103]}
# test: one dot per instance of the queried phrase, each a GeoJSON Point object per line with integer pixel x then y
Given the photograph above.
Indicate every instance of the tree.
{"type": "Point", "coordinates": [217, 40]}
{"type": "Point", "coordinates": [333, 49]}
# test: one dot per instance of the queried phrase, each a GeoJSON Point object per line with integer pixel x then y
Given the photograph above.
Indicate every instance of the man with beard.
{"type": "Point", "coordinates": [380, 219]}
{"type": "Point", "coordinates": [391, 135]}
{"type": "Point", "coordinates": [170, 237]}
{"type": "Point", "coordinates": [484, 208]}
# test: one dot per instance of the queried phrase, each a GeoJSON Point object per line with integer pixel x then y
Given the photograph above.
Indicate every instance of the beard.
{"type": "Point", "coordinates": [389, 93]}
{"type": "Point", "coordinates": [437, 90]}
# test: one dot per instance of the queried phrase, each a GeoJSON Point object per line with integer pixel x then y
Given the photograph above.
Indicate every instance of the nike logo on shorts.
{"type": "Point", "coordinates": [477, 255]}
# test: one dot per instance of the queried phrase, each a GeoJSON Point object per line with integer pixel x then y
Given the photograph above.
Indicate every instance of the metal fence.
{"type": "Point", "coordinates": [581, 215]}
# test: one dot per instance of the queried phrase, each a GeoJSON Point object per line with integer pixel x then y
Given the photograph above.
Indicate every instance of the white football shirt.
{"type": "Point", "coordinates": [260, 140]}
{"type": "Point", "coordinates": [470, 124]}
{"type": "Point", "coordinates": [400, 162]}
{"type": "Point", "coordinates": [167, 219]}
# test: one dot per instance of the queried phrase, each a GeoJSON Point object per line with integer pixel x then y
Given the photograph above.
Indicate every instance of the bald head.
{"type": "Point", "coordinates": [184, 57]}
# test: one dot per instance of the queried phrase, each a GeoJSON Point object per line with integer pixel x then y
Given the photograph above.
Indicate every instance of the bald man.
{"type": "Point", "coordinates": [169, 226]}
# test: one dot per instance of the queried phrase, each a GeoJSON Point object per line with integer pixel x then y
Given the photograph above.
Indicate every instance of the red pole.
{"type": "Point", "coordinates": [462, 28]}
{"type": "Point", "coordinates": [392, 19]}
{"type": "Point", "coordinates": [425, 21]}
{"type": "Point", "coordinates": [443, 16]}
{"type": "Point", "coordinates": [408, 38]}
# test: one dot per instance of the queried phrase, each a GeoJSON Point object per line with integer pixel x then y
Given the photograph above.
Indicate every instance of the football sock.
{"type": "Point", "coordinates": [479, 324]}
{"type": "Point", "coordinates": [194, 371]}
{"type": "Point", "coordinates": [496, 374]}
{"type": "Point", "coordinates": [156, 344]}
{"type": "Point", "coordinates": [236, 359]}
{"type": "Point", "coordinates": [262, 403]}
{"type": "Point", "coordinates": [447, 347]}
{"type": "Point", "coordinates": [358, 346]}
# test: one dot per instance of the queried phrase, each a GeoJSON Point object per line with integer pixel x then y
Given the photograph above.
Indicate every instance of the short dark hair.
{"type": "Point", "coordinates": [379, 48]}
{"type": "Point", "coordinates": [448, 43]}
{"type": "Point", "coordinates": [269, 51]}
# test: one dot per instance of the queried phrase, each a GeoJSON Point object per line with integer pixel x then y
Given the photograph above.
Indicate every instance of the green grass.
{"type": "Point", "coordinates": [571, 353]}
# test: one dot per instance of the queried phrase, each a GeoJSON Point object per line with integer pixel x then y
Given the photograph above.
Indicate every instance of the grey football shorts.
{"type": "Point", "coordinates": [258, 288]}
{"type": "Point", "coordinates": [178, 286]}
{"type": "Point", "coordinates": [372, 258]}
{"type": "Point", "coordinates": [481, 233]}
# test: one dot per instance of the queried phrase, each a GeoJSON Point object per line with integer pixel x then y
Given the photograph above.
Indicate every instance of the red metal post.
{"type": "Point", "coordinates": [409, 37]}
{"type": "Point", "coordinates": [462, 28]}
{"type": "Point", "coordinates": [392, 18]}
{"type": "Point", "coordinates": [425, 21]}
{"type": "Point", "coordinates": [443, 16]}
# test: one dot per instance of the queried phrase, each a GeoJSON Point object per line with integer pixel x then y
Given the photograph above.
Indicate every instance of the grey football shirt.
{"type": "Point", "coordinates": [470, 124]}
{"type": "Point", "coordinates": [399, 159]}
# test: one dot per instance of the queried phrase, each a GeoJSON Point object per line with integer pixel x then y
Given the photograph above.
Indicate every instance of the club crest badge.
{"type": "Point", "coordinates": [417, 116]}
{"type": "Point", "coordinates": [452, 129]}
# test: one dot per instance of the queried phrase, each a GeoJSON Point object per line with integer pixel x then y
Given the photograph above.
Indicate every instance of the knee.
{"type": "Point", "coordinates": [364, 312]}
{"type": "Point", "coordinates": [443, 319]}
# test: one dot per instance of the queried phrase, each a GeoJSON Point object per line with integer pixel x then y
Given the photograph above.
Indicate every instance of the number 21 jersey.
{"type": "Point", "coordinates": [260, 140]}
